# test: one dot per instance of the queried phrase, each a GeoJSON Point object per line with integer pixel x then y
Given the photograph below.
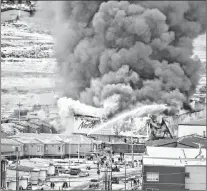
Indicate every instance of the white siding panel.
{"type": "Point", "coordinates": [197, 178]}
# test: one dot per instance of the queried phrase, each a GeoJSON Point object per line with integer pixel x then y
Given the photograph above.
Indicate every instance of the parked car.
{"type": "Point", "coordinates": [115, 180]}
{"type": "Point", "coordinates": [83, 174]}
{"type": "Point", "coordinates": [94, 183]}
{"type": "Point", "coordinates": [75, 171]}
{"type": "Point", "coordinates": [60, 169]}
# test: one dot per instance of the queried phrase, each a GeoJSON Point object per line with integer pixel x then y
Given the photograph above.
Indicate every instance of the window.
{"type": "Point", "coordinates": [25, 148]}
{"type": "Point", "coordinates": [153, 176]}
{"type": "Point", "coordinates": [38, 148]}
{"type": "Point", "coordinates": [46, 148]}
{"type": "Point", "coordinates": [59, 148]}
{"type": "Point", "coordinates": [187, 175]}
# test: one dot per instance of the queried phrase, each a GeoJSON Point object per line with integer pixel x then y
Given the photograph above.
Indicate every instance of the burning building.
{"type": "Point", "coordinates": [120, 53]}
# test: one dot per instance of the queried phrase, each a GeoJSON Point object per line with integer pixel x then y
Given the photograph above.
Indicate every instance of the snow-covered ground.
{"type": "Point", "coordinates": [27, 67]}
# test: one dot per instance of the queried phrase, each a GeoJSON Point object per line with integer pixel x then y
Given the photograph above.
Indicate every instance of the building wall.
{"type": "Point", "coordinates": [197, 178]}
{"type": "Point", "coordinates": [73, 149]}
{"type": "Point", "coordinates": [107, 138]}
{"type": "Point", "coordinates": [33, 149]}
{"type": "Point", "coordinates": [184, 130]}
{"type": "Point", "coordinates": [9, 150]}
{"type": "Point", "coordinates": [54, 149]}
{"type": "Point", "coordinates": [118, 148]}
{"type": "Point", "coordinates": [170, 178]}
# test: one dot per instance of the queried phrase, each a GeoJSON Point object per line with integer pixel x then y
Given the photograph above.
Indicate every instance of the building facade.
{"type": "Point", "coordinates": [195, 177]}
{"type": "Point", "coordinates": [9, 146]}
{"type": "Point", "coordinates": [32, 147]}
{"type": "Point", "coordinates": [162, 178]}
{"type": "Point", "coordinates": [163, 174]}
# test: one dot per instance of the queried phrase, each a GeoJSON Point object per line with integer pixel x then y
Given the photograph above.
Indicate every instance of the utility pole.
{"type": "Point", "coordinates": [111, 168]}
{"type": "Point", "coordinates": [69, 159]}
{"type": "Point", "coordinates": [78, 150]}
{"type": "Point", "coordinates": [19, 105]}
{"type": "Point", "coordinates": [132, 152]}
{"type": "Point", "coordinates": [125, 174]}
{"type": "Point", "coordinates": [17, 170]}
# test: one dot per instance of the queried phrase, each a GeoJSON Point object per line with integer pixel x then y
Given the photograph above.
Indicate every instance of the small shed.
{"type": "Point", "coordinates": [9, 145]}
{"type": "Point", "coordinates": [32, 147]}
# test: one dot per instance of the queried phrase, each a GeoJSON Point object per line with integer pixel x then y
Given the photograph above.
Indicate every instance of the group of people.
{"type": "Point", "coordinates": [65, 185]}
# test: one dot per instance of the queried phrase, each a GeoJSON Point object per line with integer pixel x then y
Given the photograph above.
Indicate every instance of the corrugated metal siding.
{"type": "Point", "coordinates": [170, 178]}
{"type": "Point", "coordinates": [197, 178]}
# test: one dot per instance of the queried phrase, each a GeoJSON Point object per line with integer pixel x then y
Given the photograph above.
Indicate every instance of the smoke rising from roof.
{"type": "Point", "coordinates": [130, 52]}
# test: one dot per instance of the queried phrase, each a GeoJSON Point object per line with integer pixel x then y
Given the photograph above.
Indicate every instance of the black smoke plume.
{"type": "Point", "coordinates": [136, 51]}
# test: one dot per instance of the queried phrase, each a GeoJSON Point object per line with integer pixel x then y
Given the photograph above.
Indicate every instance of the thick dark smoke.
{"type": "Point", "coordinates": [138, 52]}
